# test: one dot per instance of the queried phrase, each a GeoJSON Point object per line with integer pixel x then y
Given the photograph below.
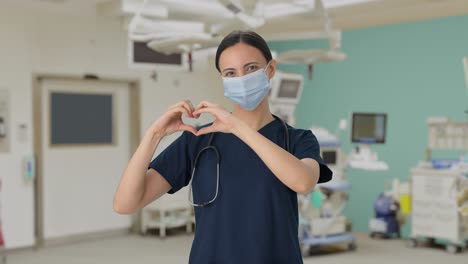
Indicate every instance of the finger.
{"type": "Point", "coordinates": [206, 130]}
{"type": "Point", "coordinates": [190, 105]}
{"type": "Point", "coordinates": [179, 109]}
{"type": "Point", "coordinates": [199, 106]}
{"type": "Point", "coordinates": [189, 109]}
{"type": "Point", "coordinates": [211, 110]}
{"type": "Point", "coordinates": [192, 109]}
{"type": "Point", "coordinates": [185, 105]}
{"type": "Point", "coordinates": [180, 103]}
{"type": "Point", "coordinates": [204, 104]}
{"type": "Point", "coordinates": [175, 105]}
{"type": "Point", "coordinates": [188, 128]}
{"type": "Point", "coordinates": [195, 114]}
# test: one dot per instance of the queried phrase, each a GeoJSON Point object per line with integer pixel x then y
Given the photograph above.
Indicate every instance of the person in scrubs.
{"type": "Point", "coordinates": [245, 184]}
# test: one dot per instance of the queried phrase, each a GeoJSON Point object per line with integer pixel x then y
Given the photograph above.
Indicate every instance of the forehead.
{"type": "Point", "coordinates": [240, 54]}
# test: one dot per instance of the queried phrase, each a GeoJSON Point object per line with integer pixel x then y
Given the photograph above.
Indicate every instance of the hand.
{"type": "Point", "coordinates": [171, 121]}
{"type": "Point", "coordinates": [224, 121]}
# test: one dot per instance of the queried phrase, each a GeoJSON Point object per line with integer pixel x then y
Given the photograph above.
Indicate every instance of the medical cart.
{"type": "Point", "coordinates": [325, 225]}
{"type": "Point", "coordinates": [436, 211]}
{"type": "Point", "coordinates": [321, 219]}
{"type": "Point", "coordinates": [169, 211]}
{"type": "Point", "coordinates": [439, 190]}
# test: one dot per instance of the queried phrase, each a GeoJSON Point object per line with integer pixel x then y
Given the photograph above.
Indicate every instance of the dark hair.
{"type": "Point", "coordinates": [248, 37]}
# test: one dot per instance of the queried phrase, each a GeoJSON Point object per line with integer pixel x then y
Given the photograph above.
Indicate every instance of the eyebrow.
{"type": "Point", "coordinates": [245, 65]}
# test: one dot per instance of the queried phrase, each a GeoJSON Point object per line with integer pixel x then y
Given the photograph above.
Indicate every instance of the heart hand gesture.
{"type": "Point", "coordinates": [224, 121]}
{"type": "Point", "coordinates": [171, 121]}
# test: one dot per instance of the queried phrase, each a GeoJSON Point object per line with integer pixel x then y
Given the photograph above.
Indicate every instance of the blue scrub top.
{"type": "Point", "coordinates": [254, 218]}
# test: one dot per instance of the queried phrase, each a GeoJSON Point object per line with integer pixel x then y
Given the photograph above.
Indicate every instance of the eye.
{"type": "Point", "coordinates": [252, 68]}
{"type": "Point", "coordinates": [229, 74]}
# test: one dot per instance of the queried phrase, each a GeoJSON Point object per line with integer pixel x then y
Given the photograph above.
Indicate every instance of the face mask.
{"type": "Point", "coordinates": [249, 90]}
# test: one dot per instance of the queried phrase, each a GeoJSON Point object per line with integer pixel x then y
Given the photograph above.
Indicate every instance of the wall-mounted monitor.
{"type": "Point", "coordinates": [286, 88]}
{"type": "Point", "coordinates": [369, 128]}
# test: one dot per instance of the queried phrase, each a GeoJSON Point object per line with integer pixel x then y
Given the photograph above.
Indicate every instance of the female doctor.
{"type": "Point", "coordinates": [244, 170]}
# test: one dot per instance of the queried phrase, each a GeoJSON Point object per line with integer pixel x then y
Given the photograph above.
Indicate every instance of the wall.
{"type": "Point", "coordinates": [411, 71]}
{"type": "Point", "coordinates": [17, 195]}
{"type": "Point", "coordinates": [34, 43]}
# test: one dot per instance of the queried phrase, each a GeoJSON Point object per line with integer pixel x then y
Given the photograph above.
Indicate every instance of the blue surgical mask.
{"type": "Point", "coordinates": [249, 90]}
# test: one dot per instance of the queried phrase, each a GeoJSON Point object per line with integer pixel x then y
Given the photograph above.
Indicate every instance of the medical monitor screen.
{"type": "Point", "coordinates": [289, 89]}
{"type": "Point", "coordinates": [369, 128]}
{"type": "Point", "coordinates": [329, 157]}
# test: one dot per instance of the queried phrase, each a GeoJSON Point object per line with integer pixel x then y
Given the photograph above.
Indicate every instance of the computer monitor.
{"type": "Point", "coordinates": [369, 128]}
{"type": "Point", "coordinates": [286, 88]}
{"type": "Point", "coordinates": [329, 157]}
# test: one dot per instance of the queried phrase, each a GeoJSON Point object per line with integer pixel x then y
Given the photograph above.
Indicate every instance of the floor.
{"type": "Point", "coordinates": [175, 249]}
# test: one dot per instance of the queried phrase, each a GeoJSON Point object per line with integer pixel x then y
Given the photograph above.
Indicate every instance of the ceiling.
{"type": "Point", "coordinates": [359, 15]}
{"type": "Point", "coordinates": [377, 13]}
{"type": "Point", "coordinates": [74, 7]}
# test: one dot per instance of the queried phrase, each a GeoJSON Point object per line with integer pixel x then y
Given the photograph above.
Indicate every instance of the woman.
{"type": "Point", "coordinates": [248, 212]}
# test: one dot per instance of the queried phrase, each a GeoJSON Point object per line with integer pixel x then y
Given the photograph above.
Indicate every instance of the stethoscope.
{"type": "Point", "coordinates": [211, 147]}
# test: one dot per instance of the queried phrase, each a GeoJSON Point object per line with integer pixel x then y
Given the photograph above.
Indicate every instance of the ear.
{"type": "Point", "coordinates": [271, 69]}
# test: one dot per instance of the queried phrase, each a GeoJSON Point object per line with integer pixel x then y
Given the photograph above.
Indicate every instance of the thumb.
{"type": "Point", "coordinates": [206, 130]}
{"type": "Point", "coordinates": [188, 128]}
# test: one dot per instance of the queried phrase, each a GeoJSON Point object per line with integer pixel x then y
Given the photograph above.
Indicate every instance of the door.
{"type": "Point", "coordinates": [84, 146]}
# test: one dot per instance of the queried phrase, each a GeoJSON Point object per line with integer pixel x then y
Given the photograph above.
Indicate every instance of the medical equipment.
{"type": "Point", "coordinates": [332, 154]}
{"type": "Point", "coordinates": [321, 213]}
{"type": "Point", "coordinates": [440, 195]}
{"type": "Point", "coordinates": [285, 93]}
{"type": "Point", "coordinates": [367, 128]}
{"type": "Point", "coordinates": [446, 134]}
{"type": "Point", "coordinates": [437, 207]}
{"type": "Point", "coordinates": [391, 208]}
{"type": "Point", "coordinates": [195, 165]}
{"type": "Point", "coordinates": [251, 21]}
{"type": "Point", "coordinates": [286, 88]}
{"type": "Point", "coordinates": [166, 212]}
{"type": "Point", "coordinates": [385, 224]}
{"type": "Point", "coordinates": [158, 25]}
{"type": "Point", "coordinates": [151, 42]}
{"type": "Point", "coordinates": [312, 56]}
{"type": "Point", "coordinates": [164, 43]}
{"type": "Point", "coordinates": [387, 221]}
{"type": "Point", "coordinates": [171, 36]}
{"type": "Point", "coordinates": [323, 223]}
{"type": "Point", "coordinates": [213, 148]}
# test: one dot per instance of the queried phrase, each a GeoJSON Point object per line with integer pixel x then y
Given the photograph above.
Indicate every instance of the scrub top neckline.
{"type": "Point", "coordinates": [268, 124]}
